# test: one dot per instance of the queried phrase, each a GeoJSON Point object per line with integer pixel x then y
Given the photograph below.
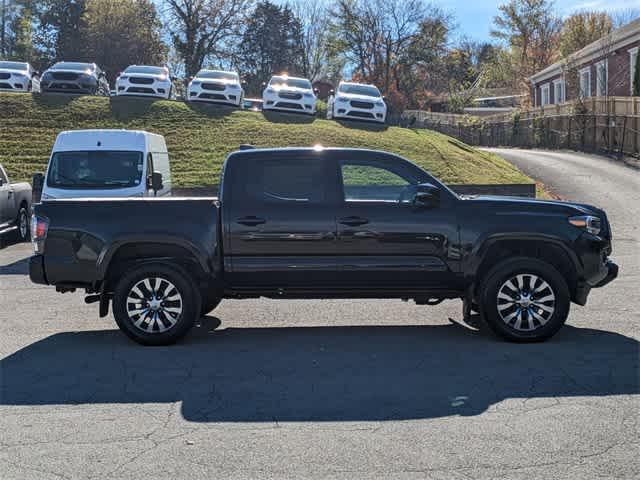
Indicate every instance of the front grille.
{"type": "Point", "coordinates": [141, 80]}
{"type": "Point", "coordinates": [213, 86]}
{"type": "Point", "coordinates": [5, 85]}
{"type": "Point", "coordinates": [65, 86]}
{"type": "Point", "coordinates": [289, 105]}
{"type": "Point", "coordinates": [4, 76]}
{"type": "Point", "coordinates": [360, 114]}
{"type": "Point", "coordinates": [290, 96]}
{"type": "Point", "coordinates": [357, 104]}
{"type": "Point", "coordinates": [140, 90]}
{"type": "Point", "coordinates": [212, 96]}
{"type": "Point", "coordinates": [65, 76]}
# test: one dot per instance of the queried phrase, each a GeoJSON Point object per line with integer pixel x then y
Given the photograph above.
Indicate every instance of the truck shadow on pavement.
{"type": "Point", "coordinates": [358, 373]}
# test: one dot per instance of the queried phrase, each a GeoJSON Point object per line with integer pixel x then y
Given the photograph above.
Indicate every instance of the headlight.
{"type": "Point", "coordinates": [587, 222]}
{"type": "Point", "coordinates": [234, 86]}
{"type": "Point", "coordinates": [342, 99]}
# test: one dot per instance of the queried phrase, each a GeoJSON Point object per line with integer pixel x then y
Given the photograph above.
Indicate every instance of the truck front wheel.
{"type": "Point", "coordinates": [156, 304]}
{"type": "Point", "coordinates": [524, 300]}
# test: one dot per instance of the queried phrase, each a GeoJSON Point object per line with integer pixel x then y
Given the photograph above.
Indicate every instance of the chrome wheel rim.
{"type": "Point", "coordinates": [526, 302]}
{"type": "Point", "coordinates": [154, 305]}
{"type": "Point", "coordinates": [24, 227]}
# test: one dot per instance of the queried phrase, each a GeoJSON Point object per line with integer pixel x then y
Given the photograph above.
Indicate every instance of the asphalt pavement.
{"type": "Point", "coordinates": [331, 389]}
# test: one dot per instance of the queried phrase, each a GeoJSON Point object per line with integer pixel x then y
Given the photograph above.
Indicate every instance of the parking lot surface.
{"type": "Point", "coordinates": [331, 389]}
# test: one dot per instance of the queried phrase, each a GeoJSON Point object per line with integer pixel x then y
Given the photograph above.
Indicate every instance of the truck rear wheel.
{"type": "Point", "coordinates": [524, 300]}
{"type": "Point", "coordinates": [156, 304]}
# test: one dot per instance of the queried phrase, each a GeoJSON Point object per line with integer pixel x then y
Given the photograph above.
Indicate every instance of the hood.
{"type": "Point", "coordinates": [221, 81]}
{"type": "Point", "coordinates": [155, 76]}
{"type": "Point", "coordinates": [14, 72]}
{"type": "Point", "coordinates": [536, 204]}
{"type": "Point", "coordinates": [363, 98]}
{"type": "Point", "coordinates": [64, 70]}
{"type": "Point", "coordinates": [291, 89]}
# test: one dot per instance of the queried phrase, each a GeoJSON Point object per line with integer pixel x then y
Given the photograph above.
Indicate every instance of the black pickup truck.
{"type": "Point", "coordinates": [324, 223]}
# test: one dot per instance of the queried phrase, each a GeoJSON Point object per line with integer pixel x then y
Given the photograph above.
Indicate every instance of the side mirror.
{"type": "Point", "coordinates": [156, 182]}
{"type": "Point", "coordinates": [316, 91]}
{"type": "Point", "coordinates": [37, 184]}
{"type": "Point", "coordinates": [426, 196]}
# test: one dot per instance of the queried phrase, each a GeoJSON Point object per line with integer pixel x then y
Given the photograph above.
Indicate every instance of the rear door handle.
{"type": "Point", "coordinates": [353, 221]}
{"type": "Point", "coordinates": [251, 221]}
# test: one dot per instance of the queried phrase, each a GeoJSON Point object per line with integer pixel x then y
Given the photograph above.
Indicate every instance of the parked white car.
{"type": "Point", "coordinates": [107, 163]}
{"type": "Point", "coordinates": [216, 86]}
{"type": "Point", "coordinates": [291, 94]}
{"type": "Point", "coordinates": [357, 100]}
{"type": "Point", "coordinates": [18, 77]}
{"type": "Point", "coordinates": [145, 80]}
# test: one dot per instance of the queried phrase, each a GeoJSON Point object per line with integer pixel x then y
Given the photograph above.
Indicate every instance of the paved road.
{"type": "Point", "coordinates": [330, 389]}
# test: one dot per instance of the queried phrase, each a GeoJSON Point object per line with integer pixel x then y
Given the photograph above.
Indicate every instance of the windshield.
{"type": "Point", "coordinates": [147, 70]}
{"type": "Point", "coordinates": [218, 75]}
{"type": "Point", "coordinates": [368, 90]}
{"type": "Point", "coordinates": [290, 82]}
{"type": "Point", "coordinates": [14, 65]}
{"type": "Point", "coordinates": [72, 66]}
{"type": "Point", "coordinates": [103, 169]}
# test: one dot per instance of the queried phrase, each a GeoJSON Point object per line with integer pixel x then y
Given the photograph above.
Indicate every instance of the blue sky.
{"type": "Point", "coordinates": [475, 17]}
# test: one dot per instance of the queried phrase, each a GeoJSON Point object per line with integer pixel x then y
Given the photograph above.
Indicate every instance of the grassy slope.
{"type": "Point", "coordinates": [199, 137]}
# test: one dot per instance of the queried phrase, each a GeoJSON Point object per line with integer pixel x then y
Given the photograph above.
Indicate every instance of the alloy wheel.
{"type": "Point", "coordinates": [23, 225]}
{"type": "Point", "coordinates": [526, 302]}
{"type": "Point", "coordinates": [154, 305]}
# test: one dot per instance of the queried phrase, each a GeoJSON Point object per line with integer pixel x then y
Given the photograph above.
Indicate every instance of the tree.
{"type": "Point", "coordinates": [317, 59]}
{"type": "Point", "coordinates": [204, 30]}
{"type": "Point", "coordinates": [531, 29]}
{"type": "Point", "coordinates": [110, 41]}
{"type": "Point", "coordinates": [583, 28]}
{"type": "Point", "coordinates": [271, 44]}
{"type": "Point", "coordinates": [58, 34]}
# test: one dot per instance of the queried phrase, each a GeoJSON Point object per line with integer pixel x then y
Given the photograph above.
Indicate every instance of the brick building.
{"type": "Point", "coordinates": [602, 68]}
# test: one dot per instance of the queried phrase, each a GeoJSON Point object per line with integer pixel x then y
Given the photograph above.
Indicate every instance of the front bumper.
{"type": "Point", "coordinates": [302, 105]}
{"type": "Point", "coordinates": [612, 273]}
{"type": "Point", "coordinates": [346, 110]}
{"type": "Point", "coordinates": [14, 84]}
{"type": "Point", "coordinates": [68, 87]}
{"type": "Point", "coordinates": [157, 89]}
{"type": "Point", "coordinates": [36, 270]}
{"type": "Point", "coordinates": [226, 96]}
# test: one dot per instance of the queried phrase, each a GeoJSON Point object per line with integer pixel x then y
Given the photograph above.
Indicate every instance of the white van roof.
{"type": "Point", "coordinates": [105, 140]}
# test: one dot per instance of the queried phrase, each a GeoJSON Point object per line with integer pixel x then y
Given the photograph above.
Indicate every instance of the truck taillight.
{"type": "Point", "coordinates": [39, 228]}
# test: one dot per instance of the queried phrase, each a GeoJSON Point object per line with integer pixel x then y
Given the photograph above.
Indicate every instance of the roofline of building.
{"type": "Point", "coordinates": [626, 34]}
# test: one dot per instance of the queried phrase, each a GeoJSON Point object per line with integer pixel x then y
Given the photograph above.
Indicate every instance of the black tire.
{"type": "Point", "coordinates": [24, 231]}
{"type": "Point", "coordinates": [527, 304]}
{"type": "Point", "coordinates": [189, 304]}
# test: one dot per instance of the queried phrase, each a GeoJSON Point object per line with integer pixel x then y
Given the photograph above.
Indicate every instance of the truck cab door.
{"type": "Point", "coordinates": [278, 220]}
{"type": "Point", "coordinates": [385, 240]}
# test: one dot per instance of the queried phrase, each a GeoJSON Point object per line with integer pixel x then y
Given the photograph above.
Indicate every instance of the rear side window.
{"type": "Point", "coordinates": [294, 180]}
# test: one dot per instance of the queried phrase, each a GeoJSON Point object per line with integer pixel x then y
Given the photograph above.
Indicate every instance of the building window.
{"type": "Point", "coordinates": [545, 98]}
{"type": "Point", "coordinates": [558, 91]}
{"type": "Point", "coordinates": [585, 82]}
{"type": "Point", "coordinates": [602, 78]}
{"type": "Point", "coordinates": [633, 58]}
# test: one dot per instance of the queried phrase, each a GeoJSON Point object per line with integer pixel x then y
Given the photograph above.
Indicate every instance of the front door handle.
{"type": "Point", "coordinates": [251, 221]}
{"type": "Point", "coordinates": [353, 221]}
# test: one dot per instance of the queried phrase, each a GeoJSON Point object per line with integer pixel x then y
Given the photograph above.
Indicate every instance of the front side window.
{"type": "Point", "coordinates": [95, 169]}
{"type": "Point", "coordinates": [295, 180]}
{"type": "Point", "coordinates": [368, 182]}
{"type": "Point", "coordinates": [3, 177]}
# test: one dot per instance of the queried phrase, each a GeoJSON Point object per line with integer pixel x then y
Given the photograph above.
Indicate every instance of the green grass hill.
{"type": "Point", "coordinates": [200, 136]}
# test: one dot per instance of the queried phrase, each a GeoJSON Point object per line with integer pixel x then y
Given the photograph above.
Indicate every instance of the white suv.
{"type": "Point", "coordinates": [216, 86]}
{"type": "Point", "coordinates": [290, 94]}
{"type": "Point", "coordinates": [18, 77]}
{"type": "Point", "coordinates": [357, 100]}
{"type": "Point", "coordinates": [144, 80]}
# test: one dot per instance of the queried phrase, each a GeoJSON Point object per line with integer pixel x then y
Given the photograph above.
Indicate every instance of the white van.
{"type": "Point", "coordinates": [107, 163]}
